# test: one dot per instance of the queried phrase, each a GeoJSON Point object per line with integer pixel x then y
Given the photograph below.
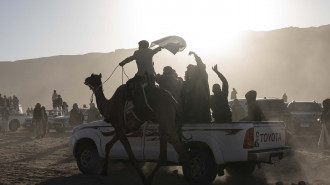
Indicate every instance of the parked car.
{"type": "Point", "coordinates": [213, 148]}
{"type": "Point", "coordinates": [15, 119]}
{"type": "Point", "coordinates": [305, 117]}
{"type": "Point", "coordinates": [274, 109]}
{"type": "Point", "coordinates": [61, 123]}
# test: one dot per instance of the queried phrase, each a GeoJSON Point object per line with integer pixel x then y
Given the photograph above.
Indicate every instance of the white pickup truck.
{"type": "Point", "coordinates": [236, 147]}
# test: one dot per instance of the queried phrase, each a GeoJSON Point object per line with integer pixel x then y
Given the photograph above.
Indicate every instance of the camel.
{"type": "Point", "coordinates": [164, 110]}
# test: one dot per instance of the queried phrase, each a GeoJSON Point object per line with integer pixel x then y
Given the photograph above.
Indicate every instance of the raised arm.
{"type": "Point", "coordinates": [156, 50]}
{"type": "Point", "coordinates": [197, 58]}
{"type": "Point", "coordinates": [127, 60]}
{"type": "Point", "coordinates": [224, 81]}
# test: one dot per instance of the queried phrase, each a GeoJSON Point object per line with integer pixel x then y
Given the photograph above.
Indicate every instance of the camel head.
{"type": "Point", "coordinates": [94, 81]}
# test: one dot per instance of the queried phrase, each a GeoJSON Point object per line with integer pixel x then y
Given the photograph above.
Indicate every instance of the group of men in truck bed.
{"type": "Point", "coordinates": [192, 93]}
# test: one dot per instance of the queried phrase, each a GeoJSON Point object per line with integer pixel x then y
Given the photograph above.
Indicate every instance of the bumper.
{"type": "Point", "coordinates": [269, 156]}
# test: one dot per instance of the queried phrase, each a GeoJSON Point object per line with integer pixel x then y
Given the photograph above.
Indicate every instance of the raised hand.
{"type": "Point", "coordinates": [192, 53]}
{"type": "Point", "coordinates": [215, 68]}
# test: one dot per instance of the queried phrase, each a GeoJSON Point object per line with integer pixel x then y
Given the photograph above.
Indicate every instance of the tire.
{"type": "Point", "coordinates": [88, 159]}
{"type": "Point", "coordinates": [13, 125]}
{"type": "Point", "coordinates": [202, 168]}
{"type": "Point", "coordinates": [240, 169]}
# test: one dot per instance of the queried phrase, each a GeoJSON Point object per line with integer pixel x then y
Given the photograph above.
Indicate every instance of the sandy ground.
{"type": "Point", "coordinates": [25, 160]}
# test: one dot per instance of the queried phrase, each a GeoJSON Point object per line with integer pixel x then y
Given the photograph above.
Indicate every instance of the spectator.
{"type": "Point", "coordinates": [254, 111]}
{"type": "Point", "coordinates": [219, 100]}
{"type": "Point", "coordinates": [195, 94]}
{"type": "Point", "coordinates": [76, 116]}
{"type": "Point", "coordinates": [285, 97]}
{"type": "Point", "coordinates": [38, 117]}
{"type": "Point", "coordinates": [54, 98]}
{"type": "Point", "coordinates": [233, 94]}
{"type": "Point", "coordinates": [169, 81]}
{"type": "Point", "coordinates": [93, 113]}
{"type": "Point", "coordinates": [44, 122]}
{"type": "Point", "coordinates": [1, 101]}
{"type": "Point", "coordinates": [65, 108]}
{"type": "Point", "coordinates": [4, 121]}
{"type": "Point", "coordinates": [59, 102]}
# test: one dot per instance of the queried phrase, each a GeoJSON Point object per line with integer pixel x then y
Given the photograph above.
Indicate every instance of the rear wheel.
{"type": "Point", "coordinates": [202, 168]}
{"type": "Point", "coordinates": [13, 125]}
{"type": "Point", "coordinates": [88, 159]}
{"type": "Point", "coordinates": [240, 169]}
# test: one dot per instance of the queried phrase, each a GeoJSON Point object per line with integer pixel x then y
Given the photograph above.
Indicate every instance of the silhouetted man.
{"type": "Point", "coordinates": [219, 100]}
{"type": "Point", "coordinates": [254, 111]}
{"type": "Point", "coordinates": [54, 98]}
{"type": "Point", "coordinates": [143, 57]}
{"type": "Point", "coordinates": [59, 102]}
{"type": "Point", "coordinates": [4, 121]}
{"type": "Point", "coordinates": [325, 117]}
{"type": "Point", "coordinates": [195, 94]}
{"type": "Point", "coordinates": [38, 117]}
{"type": "Point", "coordinates": [93, 113]}
{"type": "Point", "coordinates": [233, 94]}
{"type": "Point", "coordinates": [44, 122]}
{"type": "Point", "coordinates": [76, 116]}
{"type": "Point", "coordinates": [285, 97]}
{"type": "Point", "coordinates": [169, 81]}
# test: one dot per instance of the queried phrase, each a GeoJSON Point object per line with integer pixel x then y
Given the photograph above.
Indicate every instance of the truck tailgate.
{"type": "Point", "coordinates": [269, 135]}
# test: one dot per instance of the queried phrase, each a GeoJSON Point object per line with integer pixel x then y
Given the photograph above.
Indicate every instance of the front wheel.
{"type": "Point", "coordinates": [240, 169]}
{"type": "Point", "coordinates": [88, 159]}
{"type": "Point", "coordinates": [13, 125]}
{"type": "Point", "coordinates": [202, 168]}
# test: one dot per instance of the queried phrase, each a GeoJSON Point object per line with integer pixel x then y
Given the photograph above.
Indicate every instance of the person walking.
{"type": "Point", "coordinates": [44, 122]}
{"type": "Point", "coordinates": [233, 94]}
{"type": "Point", "coordinates": [93, 113]}
{"type": "Point", "coordinates": [76, 116]}
{"type": "Point", "coordinates": [37, 120]}
{"type": "Point", "coordinates": [4, 120]}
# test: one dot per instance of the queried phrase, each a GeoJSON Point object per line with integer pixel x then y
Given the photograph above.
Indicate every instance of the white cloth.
{"type": "Point", "coordinates": [172, 43]}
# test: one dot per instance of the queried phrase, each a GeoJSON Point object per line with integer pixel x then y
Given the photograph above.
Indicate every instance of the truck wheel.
{"type": "Point", "coordinates": [202, 168]}
{"type": "Point", "coordinates": [88, 159]}
{"type": "Point", "coordinates": [13, 125]}
{"type": "Point", "coordinates": [240, 169]}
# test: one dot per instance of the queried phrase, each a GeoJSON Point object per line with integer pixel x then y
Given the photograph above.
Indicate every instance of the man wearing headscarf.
{"type": "Point", "coordinates": [195, 94]}
{"type": "Point", "coordinates": [76, 116]}
{"type": "Point", "coordinates": [38, 117]}
{"type": "Point", "coordinates": [254, 110]}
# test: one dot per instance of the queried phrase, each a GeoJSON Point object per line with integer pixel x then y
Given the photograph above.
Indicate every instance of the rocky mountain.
{"type": "Point", "coordinates": [291, 60]}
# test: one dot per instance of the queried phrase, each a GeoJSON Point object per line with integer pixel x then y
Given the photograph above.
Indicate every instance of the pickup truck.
{"type": "Point", "coordinates": [212, 147]}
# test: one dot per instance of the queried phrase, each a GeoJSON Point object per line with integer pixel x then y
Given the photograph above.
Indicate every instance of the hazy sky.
{"type": "Point", "coordinates": [39, 28]}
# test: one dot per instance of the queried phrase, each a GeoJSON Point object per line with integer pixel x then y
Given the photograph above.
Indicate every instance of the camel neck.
{"type": "Point", "coordinates": [100, 98]}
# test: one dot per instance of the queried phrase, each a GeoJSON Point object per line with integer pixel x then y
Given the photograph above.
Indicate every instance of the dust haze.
{"type": "Point", "coordinates": [291, 60]}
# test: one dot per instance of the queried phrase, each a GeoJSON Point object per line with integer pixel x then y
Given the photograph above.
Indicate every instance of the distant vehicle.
{"type": "Point", "coordinates": [51, 115]}
{"type": "Point", "coordinates": [61, 123]}
{"type": "Point", "coordinates": [305, 116]}
{"type": "Point", "coordinates": [274, 109]}
{"type": "Point", "coordinates": [15, 119]}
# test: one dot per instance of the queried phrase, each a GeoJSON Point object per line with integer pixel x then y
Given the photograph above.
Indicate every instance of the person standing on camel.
{"type": "Point", "coordinates": [143, 57]}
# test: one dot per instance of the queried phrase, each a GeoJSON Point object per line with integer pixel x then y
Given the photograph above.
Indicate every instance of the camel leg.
{"type": "Point", "coordinates": [108, 147]}
{"type": "Point", "coordinates": [132, 159]}
{"type": "Point", "coordinates": [162, 156]}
